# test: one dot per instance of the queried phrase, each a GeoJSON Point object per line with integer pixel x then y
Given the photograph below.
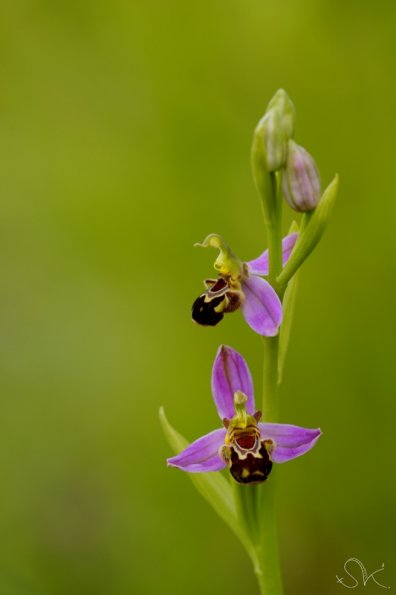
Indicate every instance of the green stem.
{"type": "Point", "coordinates": [268, 569]}
{"type": "Point", "coordinates": [246, 499]}
{"type": "Point", "coordinates": [270, 379]}
{"type": "Point", "coordinates": [256, 505]}
{"type": "Point", "coordinates": [267, 552]}
{"type": "Point", "coordinates": [274, 232]}
{"type": "Point", "coordinates": [256, 512]}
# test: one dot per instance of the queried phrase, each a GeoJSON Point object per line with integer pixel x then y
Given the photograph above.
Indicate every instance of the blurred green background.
{"type": "Point", "coordinates": [125, 131]}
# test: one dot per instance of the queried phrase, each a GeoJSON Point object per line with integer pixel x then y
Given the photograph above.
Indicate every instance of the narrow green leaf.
{"type": "Point", "coordinates": [314, 224]}
{"type": "Point", "coordinates": [289, 302]}
{"type": "Point", "coordinates": [212, 486]}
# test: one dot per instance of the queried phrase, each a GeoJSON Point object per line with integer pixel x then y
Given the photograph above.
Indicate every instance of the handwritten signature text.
{"type": "Point", "coordinates": [356, 571]}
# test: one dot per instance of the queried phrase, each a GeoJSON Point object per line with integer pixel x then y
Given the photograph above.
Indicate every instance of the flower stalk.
{"type": "Point", "coordinates": [267, 550]}
{"type": "Point", "coordinates": [250, 442]}
{"type": "Point", "coordinates": [274, 232]}
{"type": "Point", "coordinates": [268, 572]}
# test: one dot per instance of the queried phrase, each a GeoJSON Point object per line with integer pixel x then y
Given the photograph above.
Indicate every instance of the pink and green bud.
{"type": "Point", "coordinates": [300, 180]}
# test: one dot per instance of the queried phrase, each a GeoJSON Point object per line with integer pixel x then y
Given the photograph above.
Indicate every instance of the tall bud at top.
{"type": "Point", "coordinates": [282, 103]}
{"type": "Point", "coordinates": [269, 148]}
{"type": "Point", "coordinates": [275, 128]}
{"type": "Point", "coordinates": [300, 180]}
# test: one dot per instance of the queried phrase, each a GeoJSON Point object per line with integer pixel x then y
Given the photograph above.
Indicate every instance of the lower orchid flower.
{"type": "Point", "coordinates": [240, 284]}
{"type": "Point", "coordinates": [247, 446]}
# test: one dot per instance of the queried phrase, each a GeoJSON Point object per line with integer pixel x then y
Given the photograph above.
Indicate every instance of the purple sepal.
{"type": "Point", "coordinates": [230, 373]}
{"type": "Point", "coordinates": [260, 265]}
{"type": "Point", "coordinates": [202, 455]}
{"type": "Point", "coordinates": [262, 307]}
{"type": "Point", "coordinates": [290, 441]}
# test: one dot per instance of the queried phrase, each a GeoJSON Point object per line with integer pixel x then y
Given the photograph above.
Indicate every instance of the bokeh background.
{"type": "Point", "coordinates": [125, 131]}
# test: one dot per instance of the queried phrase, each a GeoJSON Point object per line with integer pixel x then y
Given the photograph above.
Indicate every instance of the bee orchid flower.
{"type": "Point", "coordinates": [241, 285]}
{"type": "Point", "coordinates": [244, 444]}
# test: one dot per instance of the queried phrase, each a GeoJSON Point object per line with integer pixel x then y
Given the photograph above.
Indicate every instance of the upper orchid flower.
{"type": "Point", "coordinates": [240, 285]}
{"type": "Point", "coordinates": [246, 445]}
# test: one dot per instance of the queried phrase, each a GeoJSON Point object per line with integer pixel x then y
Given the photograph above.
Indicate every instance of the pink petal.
{"type": "Point", "coordinates": [260, 266]}
{"type": "Point", "coordinates": [290, 441]}
{"type": "Point", "coordinates": [230, 373]}
{"type": "Point", "coordinates": [202, 455]}
{"type": "Point", "coordinates": [262, 307]}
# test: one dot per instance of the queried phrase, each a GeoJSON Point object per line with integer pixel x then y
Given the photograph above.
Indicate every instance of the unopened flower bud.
{"type": "Point", "coordinates": [275, 129]}
{"type": "Point", "coordinates": [283, 104]}
{"type": "Point", "coordinates": [300, 180]}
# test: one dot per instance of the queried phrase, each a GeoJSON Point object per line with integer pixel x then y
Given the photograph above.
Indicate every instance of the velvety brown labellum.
{"type": "Point", "coordinates": [220, 297]}
{"type": "Point", "coordinates": [204, 311]}
{"type": "Point", "coordinates": [252, 469]}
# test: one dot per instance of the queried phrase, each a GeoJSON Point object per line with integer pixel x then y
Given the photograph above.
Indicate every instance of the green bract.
{"type": "Point", "coordinates": [313, 226]}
